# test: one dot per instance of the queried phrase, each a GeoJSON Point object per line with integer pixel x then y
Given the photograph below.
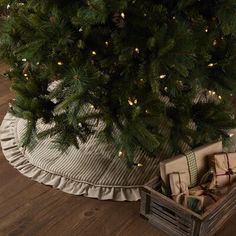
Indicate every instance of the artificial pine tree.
{"type": "Point", "coordinates": [148, 73]}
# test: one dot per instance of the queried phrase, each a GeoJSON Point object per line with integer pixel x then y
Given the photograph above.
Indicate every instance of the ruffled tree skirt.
{"type": "Point", "coordinates": [93, 171]}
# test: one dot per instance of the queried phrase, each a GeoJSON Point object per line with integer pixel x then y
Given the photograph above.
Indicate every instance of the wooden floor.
{"type": "Point", "coordinates": [28, 208]}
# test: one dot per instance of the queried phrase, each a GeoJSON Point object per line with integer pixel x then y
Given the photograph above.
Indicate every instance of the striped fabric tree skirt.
{"type": "Point", "coordinates": [94, 170]}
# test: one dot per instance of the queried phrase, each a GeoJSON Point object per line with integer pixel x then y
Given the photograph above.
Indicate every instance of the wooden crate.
{"type": "Point", "coordinates": [176, 220]}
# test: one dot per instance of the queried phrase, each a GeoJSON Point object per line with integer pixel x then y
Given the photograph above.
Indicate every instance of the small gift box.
{"type": "Point", "coordinates": [194, 163]}
{"type": "Point", "coordinates": [224, 167]}
{"type": "Point", "coordinates": [208, 196]}
{"type": "Point", "coordinates": [178, 186]}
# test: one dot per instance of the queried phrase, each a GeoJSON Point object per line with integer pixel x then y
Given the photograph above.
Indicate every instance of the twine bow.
{"type": "Point", "coordinates": [204, 191]}
{"type": "Point", "coordinates": [198, 195]}
{"type": "Point", "coordinates": [229, 171]}
{"type": "Point", "coordinates": [183, 189]}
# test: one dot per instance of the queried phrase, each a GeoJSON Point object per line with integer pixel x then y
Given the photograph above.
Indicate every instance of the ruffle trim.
{"type": "Point", "coordinates": [14, 155]}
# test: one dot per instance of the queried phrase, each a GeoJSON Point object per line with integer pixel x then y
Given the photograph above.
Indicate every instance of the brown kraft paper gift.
{"type": "Point", "coordinates": [180, 163]}
{"type": "Point", "coordinates": [224, 167]}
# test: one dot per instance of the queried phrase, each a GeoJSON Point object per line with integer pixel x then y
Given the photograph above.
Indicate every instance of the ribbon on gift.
{"type": "Point", "coordinates": [204, 191]}
{"type": "Point", "coordinates": [207, 177]}
{"type": "Point", "coordinates": [228, 171]}
{"type": "Point", "coordinates": [192, 168]}
{"type": "Point", "coordinates": [183, 189]}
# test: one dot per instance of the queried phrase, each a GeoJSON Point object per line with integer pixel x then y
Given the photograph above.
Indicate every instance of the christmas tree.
{"type": "Point", "coordinates": [151, 73]}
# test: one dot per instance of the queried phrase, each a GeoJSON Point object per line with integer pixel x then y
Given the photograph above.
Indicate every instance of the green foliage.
{"type": "Point", "coordinates": [146, 68]}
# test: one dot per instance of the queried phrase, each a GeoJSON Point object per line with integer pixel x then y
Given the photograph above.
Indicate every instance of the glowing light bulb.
{"type": "Point", "coordinates": [24, 59]}
{"type": "Point", "coordinates": [130, 102]}
{"type": "Point", "coordinates": [59, 63]}
{"type": "Point", "coordinates": [211, 64]}
{"type": "Point", "coordinates": [219, 97]}
{"type": "Point", "coordinates": [206, 29]}
{"type": "Point", "coordinates": [25, 75]}
{"type": "Point", "coordinates": [106, 43]}
{"type": "Point", "coordinates": [122, 14]}
{"type": "Point", "coordinates": [231, 135]}
{"type": "Point", "coordinates": [120, 153]}
{"type": "Point", "coordinates": [162, 76]}
{"type": "Point", "coordinates": [140, 165]}
{"type": "Point", "coordinates": [94, 53]}
{"type": "Point", "coordinates": [136, 50]}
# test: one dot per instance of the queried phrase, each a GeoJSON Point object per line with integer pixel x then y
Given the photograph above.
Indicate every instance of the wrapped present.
{"type": "Point", "coordinates": [205, 189]}
{"type": "Point", "coordinates": [224, 167]}
{"type": "Point", "coordinates": [194, 163]}
{"type": "Point", "coordinates": [178, 186]}
{"type": "Point", "coordinates": [205, 195]}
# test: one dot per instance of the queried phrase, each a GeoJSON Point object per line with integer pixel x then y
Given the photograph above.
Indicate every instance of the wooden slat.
{"type": "Point", "coordinates": [176, 218]}
{"type": "Point", "coordinates": [215, 223]}
{"type": "Point", "coordinates": [161, 224]}
{"type": "Point", "coordinates": [171, 221]}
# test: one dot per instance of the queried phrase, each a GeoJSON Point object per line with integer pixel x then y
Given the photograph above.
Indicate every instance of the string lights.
{"type": "Point", "coordinates": [213, 93]}
{"type": "Point", "coordinates": [132, 101]}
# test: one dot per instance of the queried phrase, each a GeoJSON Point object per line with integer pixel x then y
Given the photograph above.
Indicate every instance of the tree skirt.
{"type": "Point", "coordinates": [94, 170]}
